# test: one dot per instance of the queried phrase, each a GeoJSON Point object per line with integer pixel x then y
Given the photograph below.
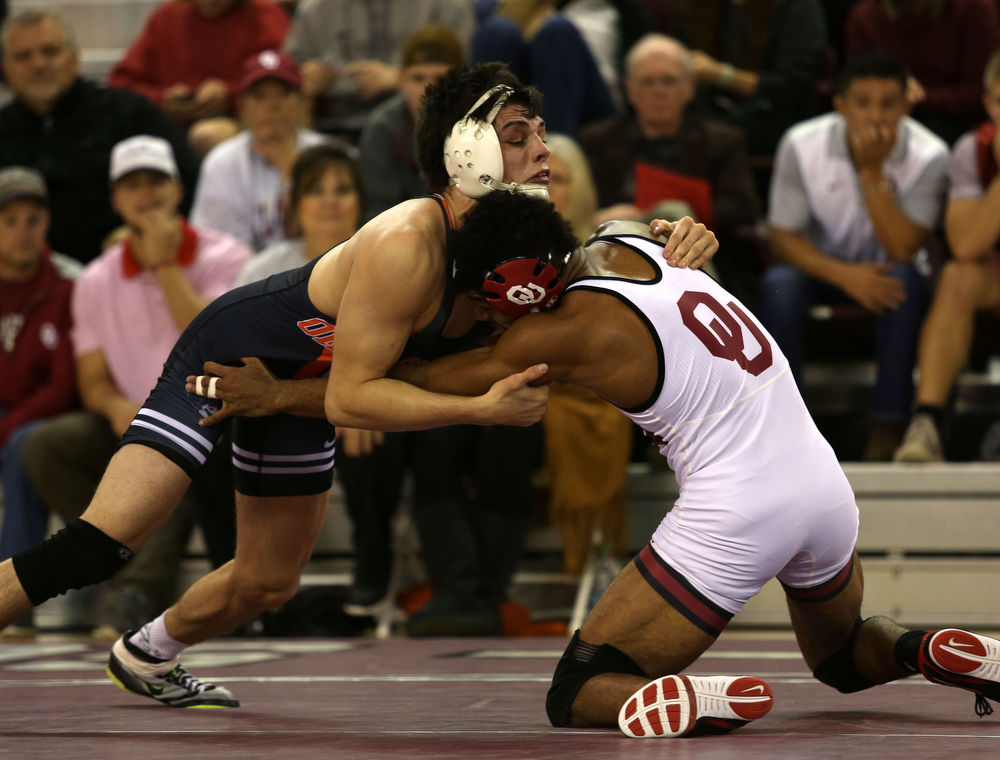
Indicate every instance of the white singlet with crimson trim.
{"type": "Point", "coordinates": [761, 491]}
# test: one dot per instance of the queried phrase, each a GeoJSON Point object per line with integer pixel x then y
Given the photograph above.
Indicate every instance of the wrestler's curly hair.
{"type": "Point", "coordinates": [503, 226]}
{"type": "Point", "coordinates": [446, 101]}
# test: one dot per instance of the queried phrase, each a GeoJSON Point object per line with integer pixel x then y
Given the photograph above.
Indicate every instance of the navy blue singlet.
{"type": "Point", "coordinates": [272, 319]}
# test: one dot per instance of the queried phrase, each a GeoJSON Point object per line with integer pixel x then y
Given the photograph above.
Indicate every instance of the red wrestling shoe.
{"type": "Point", "coordinates": [967, 660]}
{"type": "Point", "coordinates": [694, 706]}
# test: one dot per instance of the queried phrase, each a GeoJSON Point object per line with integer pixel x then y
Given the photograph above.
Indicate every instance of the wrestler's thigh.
{"type": "Point", "coordinates": [634, 618]}
{"type": "Point", "coordinates": [275, 536]}
{"type": "Point", "coordinates": [138, 492]}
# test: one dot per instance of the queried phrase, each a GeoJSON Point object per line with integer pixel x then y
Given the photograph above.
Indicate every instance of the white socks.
{"type": "Point", "coordinates": [154, 640]}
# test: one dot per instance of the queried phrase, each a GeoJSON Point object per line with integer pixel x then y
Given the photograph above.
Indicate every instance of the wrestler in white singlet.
{"type": "Point", "coordinates": [761, 491]}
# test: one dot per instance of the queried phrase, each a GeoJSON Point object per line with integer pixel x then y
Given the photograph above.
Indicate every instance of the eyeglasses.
{"type": "Point", "coordinates": [664, 81]}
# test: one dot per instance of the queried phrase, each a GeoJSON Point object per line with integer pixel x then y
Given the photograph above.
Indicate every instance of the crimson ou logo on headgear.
{"type": "Point", "coordinates": [525, 295]}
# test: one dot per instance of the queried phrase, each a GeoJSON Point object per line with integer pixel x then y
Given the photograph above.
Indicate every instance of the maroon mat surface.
{"type": "Point", "coordinates": [446, 698]}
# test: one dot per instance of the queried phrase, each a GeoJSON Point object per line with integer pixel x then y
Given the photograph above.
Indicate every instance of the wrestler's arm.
{"type": "Point", "coordinates": [394, 282]}
{"type": "Point", "coordinates": [251, 390]}
{"type": "Point", "coordinates": [530, 340]}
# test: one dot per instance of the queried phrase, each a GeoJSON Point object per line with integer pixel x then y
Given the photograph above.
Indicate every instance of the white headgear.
{"type": "Point", "coordinates": [472, 155]}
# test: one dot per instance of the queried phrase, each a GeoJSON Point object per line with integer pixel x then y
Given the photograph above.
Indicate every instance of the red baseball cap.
{"type": "Point", "coordinates": [273, 64]}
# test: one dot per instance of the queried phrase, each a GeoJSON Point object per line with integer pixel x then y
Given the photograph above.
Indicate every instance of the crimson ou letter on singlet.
{"type": "Point", "coordinates": [724, 336]}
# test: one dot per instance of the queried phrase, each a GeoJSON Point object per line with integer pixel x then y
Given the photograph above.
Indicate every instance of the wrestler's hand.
{"type": "Point", "coordinates": [513, 401]}
{"type": "Point", "coordinates": [358, 443]}
{"type": "Point", "coordinates": [690, 244]}
{"type": "Point", "coordinates": [247, 391]}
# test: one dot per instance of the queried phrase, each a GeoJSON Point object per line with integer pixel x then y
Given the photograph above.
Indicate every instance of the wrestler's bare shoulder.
{"type": "Point", "coordinates": [413, 220]}
{"type": "Point", "coordinates": [410, 237]}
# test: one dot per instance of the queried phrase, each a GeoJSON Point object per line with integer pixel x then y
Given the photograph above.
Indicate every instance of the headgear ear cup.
{"type": "Point", "coordinates": [472, 150]}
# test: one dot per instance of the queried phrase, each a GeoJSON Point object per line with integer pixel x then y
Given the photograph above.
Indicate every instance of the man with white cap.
{"type": "Point", "coordinates": [387, 295]}
{"type": "Point", "coordinates": [129, 307]}
{"type": "Point", "coordinates": [243, 179]}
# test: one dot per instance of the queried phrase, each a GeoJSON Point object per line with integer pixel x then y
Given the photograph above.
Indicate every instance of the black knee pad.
{"type": "Point", "coordinates": [78, 555]}
{"type": "Point", "coordinates": [839, 671]}
{"type": "Point", "coordinates": [579, 663]}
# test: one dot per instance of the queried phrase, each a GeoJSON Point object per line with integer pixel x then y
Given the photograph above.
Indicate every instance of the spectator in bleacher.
{"type": "Point", "coordinates": [129, 307]}
{"type": "Point", "coordinates": [587, 441]}
{"type": "Point", "coordinates": [855, 196]}
{"type": "Point", "coordinates": [65, 127]}
{"type": "Point", "coordinates": [36, 363]}
{"type": "Point", "coordinates": [544, 48]}
{"type": "Point", "coordinates": [325, 201]}
{"type": "Point", "coordinates": [350, 52]}
{"type": "Point", "coordinates": [662, 160]}
{"type": "Point", "coordinates": [387, 159]}
{"type": "Point", "coordinates": [756, 62]}
{"type": "Point", "coordinates": [243, 179]}
{"type": "Point", "coordinates": [943, 43]}
{"type": "Point", "coordinates": [969, 283]}
{"type": "Point", "coordinates": [189, 56]}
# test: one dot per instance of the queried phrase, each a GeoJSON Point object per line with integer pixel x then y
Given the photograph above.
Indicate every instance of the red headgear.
{"type": "Point", "coordinates": [518, 286]}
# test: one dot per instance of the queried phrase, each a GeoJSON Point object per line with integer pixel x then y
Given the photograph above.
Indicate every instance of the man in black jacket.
{"type": "Point", "coordinates": [662, 160]}
{"type": "Point", "coordinates": [65, 127]}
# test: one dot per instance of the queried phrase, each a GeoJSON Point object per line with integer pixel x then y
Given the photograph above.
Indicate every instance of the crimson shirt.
{"type": "Point", "coordinates": [37, 370]}
{"type": "Point", "coordinates": [180, 46]}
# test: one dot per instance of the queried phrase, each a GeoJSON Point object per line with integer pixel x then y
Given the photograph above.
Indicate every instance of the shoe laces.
{"type": "Point", "coordinates": [185, 680]}
{"type": "Point", "coordinates": [983, 707]}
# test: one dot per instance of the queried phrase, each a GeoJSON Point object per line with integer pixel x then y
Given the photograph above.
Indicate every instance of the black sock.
{"type": "Point", "coordinates": [936, 413]}
{"type": "Point", "coordinates": [907, 648]}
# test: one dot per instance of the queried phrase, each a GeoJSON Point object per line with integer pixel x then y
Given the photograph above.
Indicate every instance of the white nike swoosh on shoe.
{"type": "Point", "coordinates": [967, 655]}
{"type": "Point", "coordinates": [954, 643]}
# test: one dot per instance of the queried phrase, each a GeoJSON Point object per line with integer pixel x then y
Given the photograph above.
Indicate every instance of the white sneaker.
{"type": "Point", "coordinates": [921, 442]}
{"type": "Point", "coordinates": [682, 705]}
{"type": "Point", "coordinates": [169, 682]}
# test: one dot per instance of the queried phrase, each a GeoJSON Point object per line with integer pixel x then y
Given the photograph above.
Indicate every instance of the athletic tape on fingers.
{"type": "Point", "coordinates": [203, 388]}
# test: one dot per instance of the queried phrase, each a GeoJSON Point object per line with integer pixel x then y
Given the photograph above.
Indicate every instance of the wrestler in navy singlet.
{"type": "Point", "coordinates": [274, 320]}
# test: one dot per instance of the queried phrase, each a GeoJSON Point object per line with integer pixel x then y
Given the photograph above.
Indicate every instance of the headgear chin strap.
{"type": "Point", "coordinates": [472, 154]}
{"type": "Point", "coordinates": [518, 286]}
{"type": "Point", "coordinates": [525, 188]}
